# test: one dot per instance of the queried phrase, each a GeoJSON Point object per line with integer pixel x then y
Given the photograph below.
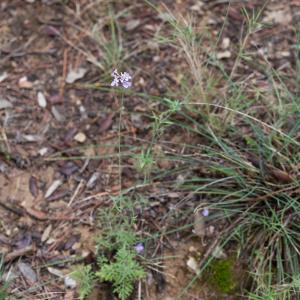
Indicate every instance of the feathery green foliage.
{"type": "Point", "coordinates": [123, 272]}
{"type": "Point", "coordinates": [85, 276]}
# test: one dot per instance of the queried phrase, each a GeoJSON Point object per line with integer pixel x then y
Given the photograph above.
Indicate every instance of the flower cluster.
{"type": "Point", "coordinates": [205, 212]}
{"type": "Point", "coordinates": [139, 248]}
{"type": "Point", "coordinates": [123, 79]}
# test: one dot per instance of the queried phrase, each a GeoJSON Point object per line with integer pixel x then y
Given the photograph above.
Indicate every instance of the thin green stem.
{"type": "Point", "coordinates": [119, 154]}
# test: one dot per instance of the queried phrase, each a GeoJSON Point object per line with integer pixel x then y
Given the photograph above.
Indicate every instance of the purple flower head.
{"type": "Point", "coordinates": [205, 212]}
{"type": "Point", "coordinates": [123, 79]}
{"type": "Point", "coordinates": [139, 248]}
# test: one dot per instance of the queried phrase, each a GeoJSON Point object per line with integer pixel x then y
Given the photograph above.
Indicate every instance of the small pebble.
{"type": "Point", "coordinates": [43, 151]}
{"type": "Point", "coordinates": [3, 76]}
{"type": "Point", "coordinates": [41, 100]}
{"type": "Point", "coordinates": [80, 137]}
{"type": "Point", "coordinates": [70, 283]}
{"type": "Point", "coordinates": [24, 83]}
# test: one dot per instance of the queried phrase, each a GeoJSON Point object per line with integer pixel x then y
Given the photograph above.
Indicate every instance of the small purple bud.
{"type": "Point", "coordinates": [205, 212]}
{"type": "Point", "coordinates": [139, 248]}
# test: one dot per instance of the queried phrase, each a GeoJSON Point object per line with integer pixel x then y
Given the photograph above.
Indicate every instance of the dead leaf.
{"type": "Point", "coordinates": [55, 272]}
{"type": "Point", "coordinates": [53, 187]}
{"type": "Point", "coordinates": [197, 7]}
{"type": "Point", "coordinates": [281, 176]}
{"type": "Point", "coordinates": [27, 272]}
{"type": "Point", "coordinates": [218, 252]}
{"type": "Point", "coordinates": [33, 186]}
{"type": "Point", "coordinates": [75, 74]}
{"type": "Point", "coordinates": [199, 224]}
{"type": "Point", "coordinates": [5, 104]}
{"type": "Point", "coordinates": [3, 76]}
{"type": "Point", "coordinates": [57, 114]}
{"type": "Point", "coordinates": [36, 214]}
{"type": "Point", "coordinates": [69, 295]}
{"type": "Point", "coordinates": [192, 264]}
{"type": "Point", "coordinates": [278, 16]}
{"type": "Point", "coordinates": [225, 43]}
{"type": "Point", "coordinates": [106, 123]}
{"type": "Point", "coordinates": [46, 233]}
{"type": "Point", "coordinates": [68, 168]}
{"type": "Point", "coordinates": [132, 24]}
{"type": "Point", "coordinates": [92, 181]}
{"type": "Point", "coordinates": [24, 241]}
{"type": "Point", "coordinates": [223, 54]}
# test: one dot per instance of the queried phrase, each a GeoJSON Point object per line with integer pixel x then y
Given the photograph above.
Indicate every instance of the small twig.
{"type": "Point", "coordinates": [65, 64]}
{"type": "Point", "coordinates": [15, 210]}
{"type": "Point", "coordinates": [140, 290]}
{"type": "Point", "coordinates": [94, 196]}
{"type": "Point", "coordinates": [17, 253]}
{"type": "Point", "coordinates": [76, 192]}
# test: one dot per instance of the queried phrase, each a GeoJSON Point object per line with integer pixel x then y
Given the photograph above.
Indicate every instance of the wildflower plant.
{"type": "Point", "coordinates": [118, 246]}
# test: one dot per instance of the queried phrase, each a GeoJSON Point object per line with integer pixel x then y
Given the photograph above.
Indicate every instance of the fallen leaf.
{"type": "Point", "coordinates": [132, 24]}
{"type": "Point", "coordinates": [218, 252]}
{"type": "Point", "coordinates": [197, 7]}
{"type": "Point", "coordinates": [106, 123]}
{"type": "Point", "coordinates": [223, 54]}
{"type": "Point", "coordinates": [3, 76]}
{"type": "Point", "coordinates": [43, 151]}
{"type": "Point", "coordinates": [75, 74]}
{"type": "Point", "coordinates": [55, 272]}
{"type": "Point", "coordinates": [36, 214]}
{"type": "Point", "coordinates": [32, 137]}
{"type": "Point", "coordinates": [57, 115]}
{"type": "Point", "coordinates": [5, 104]}
{"type": "Point", "coordinates": [199, 224]}
{"type": "Point", "coordinates": [68, 168]}
{"type": "Point", "coordinates": [92, 181]}
{"type": "Point", "coordinates": [69, 295]}
{"type": "Point", "coordinates": [225, 43]}
{"type": "Point", "coordinates": [192, 264]}
{"type": "Point", "coordinates": [27, 272]}
{"type": "Point", "coordinates": [33, 186]}
{"type": "Point", "coordinates": [53, 187]}
{"type": "Point", "coordinates": [46, 233]}
{"type": "Point", "coordinates": [51, 31]}
{"type": "Point", "coordinates": [277, 16]}
{"type": "Point", "coordinates": [281, 176]}
{"type": "Point", "coordinates": [24, 241]}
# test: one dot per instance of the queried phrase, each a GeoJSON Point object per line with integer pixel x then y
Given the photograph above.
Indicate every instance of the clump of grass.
{"type": "Point", "coordinates": [4, 284]}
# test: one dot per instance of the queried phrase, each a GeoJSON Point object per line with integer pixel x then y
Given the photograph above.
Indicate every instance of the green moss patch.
{"type": "Point", "coordinates": [221, 275]}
